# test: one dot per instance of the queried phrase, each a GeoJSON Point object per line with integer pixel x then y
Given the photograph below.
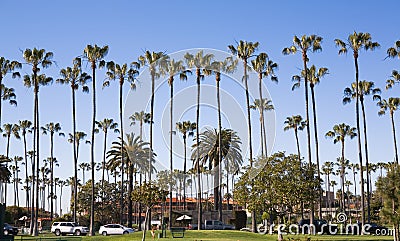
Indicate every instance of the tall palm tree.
{"type": "Point", "coordinates": [62, 184]}
{"type": "Point", "coordinates": [339, 134]}
{"type": "Point", "coordinates": [7, 94]}
{"type": "Point", "coordinates": [105, 125]}
{"type": "Point", "coordinates": [37, 59]}
{"type": "Point", "coordinates": [186, 128]}
{"type": "Point", "coordinates": [122, 73]}
{"type": "Point", "coordinates": [75, 140]}
{"type": "Point", "coordinates": [392, 105]}
{"type": "Point", "coordinates": [264, 68]}
{"type": "Point", "coordinates": [227, 66]}
{"type": "Point", "coordinates": [262, 105]}
{"type": "Point", "coordinates": [355, 168]}
{"type": "Point", "coordinates": [84, 166]}
{"type": "Point", "coordinates": [94, 55]}
{"type": "Point", "coordinates": [153, 60]}
{"type": "Point", "coordinates": [296, 123]}
{"type": "Point", "coordinates": [365, 88]}
{"type": "Point", "coordinates": [201, 62]}
{"type": "Point", "coordinates": [141, 117]}
{"type": "Point", "coordinates": [244, 51]}
{"type": "Point", "coordinates": [74, 77]}
{"type": "Point", "coordinates": [314, 76]}
{"type": "Point", "coordinates": [136, 153]}
{"type": "Point", "coordinates": [52, 128]}
{"type": "Point", "coordinates": [357, 42]}
{"type": "Point", "coordinates": [9, 130]}
{"type": "Point", "coordinates": [25, 127]}
{"type": "Point", "coordinates": [171, 68]}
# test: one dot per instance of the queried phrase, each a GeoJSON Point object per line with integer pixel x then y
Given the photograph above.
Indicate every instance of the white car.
{"type": "Point", "coordinates": [111, 229]}
{"type": "Point", "coordinates": [63, 228]}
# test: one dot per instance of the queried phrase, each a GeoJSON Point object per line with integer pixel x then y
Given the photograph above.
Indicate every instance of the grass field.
{"type": "Point", "coordinates": [211, 235]}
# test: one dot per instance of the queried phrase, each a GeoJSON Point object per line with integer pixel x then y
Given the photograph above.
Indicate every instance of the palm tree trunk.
{"type": "Point", "coordinates": [262, 125]}
{"type": "Point", "coordinates": [219, 150]}
{"type": "Point", "coordinates": [297, 144]}
{"type": "Point", "coordinates": [305, 58]}
{"type": "Point", "coordinates": [26, 174]}
{"type": "Point", "coordinates": [33, 162]}
{"type": "Point", "coordinates": [394, 137]}
{"type": "Point", "coordinates": [75, 187]}
{"type": "Point", "coordinates": [199, 206]}
{"type": "Point", "coordinates": [36, 232]}
{"type": "Point", "coordinates": [184, 173]}
{"type": "Point", "coordinates": [51, 175]}
{"type": "Point", "coordinates": [329, 193]}
{"type": "Point", "coordinates": [130, 189]}
{"type": "Point", "coordinates": [314, 109]}
{"type": "Point", "coordinates": [171, 83]}
{"type": "Point", "coordinates": [342, 173]}
{"type": "Point", "coordinates": [151, 133]}
{"type": "Point", "coordinates": [92, 148]}
{"type": "Point", "coordinates": [103, 165]}
{"type": "Point", "coordinates": [366, 159]}
{"type": "Point", "coordinates": [359, 139]}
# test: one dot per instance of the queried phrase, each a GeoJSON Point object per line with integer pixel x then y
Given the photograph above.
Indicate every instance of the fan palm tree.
{"type": "Point", "coordinates": [141, 117]}
{"type": "Point", "coordinates": [314, 75]}
{"type": "Point", "coordinates": [391, 105]}
{"type": "Point", "coordinates": [16, 180]}
{"type": "Point", "coordinates": [25, 127]}
{"type": "Point", "coordinates": [75, 140]}
{"type": "Point", "coordinates": [136, 153]}
{"type": "Point", "coordinates": [74, 77]}
{"type": "Point", "coordinates": [9, 130]}
{"type": "Point", "coordinates": [52, 128]}
{"type": "Point", "coordinates": [365, 88]}
{"type": "Point", "coordinates": [153, 60]}
{"type": "Point", "coordinates": [94, 55]}
{"type": "Point", "coordinates": [201, 62]}
{"type": "Point", "coordinates": [37, 59]}
{"type": "Point", "coordinates": [339, 134]}
{"type": "Point", "coordinates": [357, 42]}
{"type": "Point", "coordinates": [264, 68]}
{"type": "Point", "coordinates": [105, 125]}
{"type": "Point", "coordinates": [296, 123]}
{"type": "Point", "coordinates": [354, 169]}
{"type": "Point", "coordinates": [7, 94]}
{"type": "Point", "coordinates": [244, 51]}
{"type": "Point", "coordinates": [84, 166]}
{"type": "Point", "coordinates": [231, 152]}
{"type": "Point", "coordinates": [171, 68]}
{"type": "Point", "coordinates": [121, 73]}
{"type": "Point", "coordinates": [262, 105]}
{"type": "Point", "coordinates": [62, 184]}
{"type": "Point", "coordinates": [186, 128]}
{"type": "Point", "coordinates": [227, 66]}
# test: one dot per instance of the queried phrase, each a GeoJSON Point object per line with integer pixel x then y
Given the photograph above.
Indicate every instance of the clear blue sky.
{"type": "Point", "coordinates": [131, 27]}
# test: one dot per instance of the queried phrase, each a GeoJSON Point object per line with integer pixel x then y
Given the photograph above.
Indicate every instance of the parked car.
{"type": "Point", "coordinates": [213, 225]}
{"type": "Point", "coordinates": [321, 226]}
{"type": "Point", "coordinates": [10, 230]}
{"type": "Point", "coordinates": [64, 228]}
{"type": "Point", "coordinates": [111, 229]}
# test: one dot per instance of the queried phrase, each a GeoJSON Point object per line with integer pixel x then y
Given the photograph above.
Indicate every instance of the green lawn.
{"type": "Point", "coordinates": [210, 235]}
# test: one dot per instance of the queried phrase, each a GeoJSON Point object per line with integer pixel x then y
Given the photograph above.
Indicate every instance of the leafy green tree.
{"type": "Point", "coordinates": [356, 42]}
{"type": "Point", "coordinates": [8, 94]}
{"type": "Point", "coordinates": [392, 104]}
{"type": "Point", "coordinates": [201, 62]}
{"type": "Point", "coordinates": [94, 55]}
{"type": "Point", "coordinates": [339, 134]}
{"type": "Point", "coordinates": [297, 124]}
{"type": "Point", "coordinates": [5, 173]}
{"type": "Point", "coordinates": [148, 194]}
{"type": "Point", "coordinates": [244, 51]}
{"type": "Point", "coordinates": [265, 68]}
{"type": "Point", "coordinates": [389, 188]}
{"type": "Point", "coordinates": [365, 88]}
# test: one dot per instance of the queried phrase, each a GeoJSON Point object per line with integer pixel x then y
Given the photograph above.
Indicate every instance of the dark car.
{"type": "Point", "coordinates": [10, 230]}
{"type": "Point", "coordinates": [321, 226]}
